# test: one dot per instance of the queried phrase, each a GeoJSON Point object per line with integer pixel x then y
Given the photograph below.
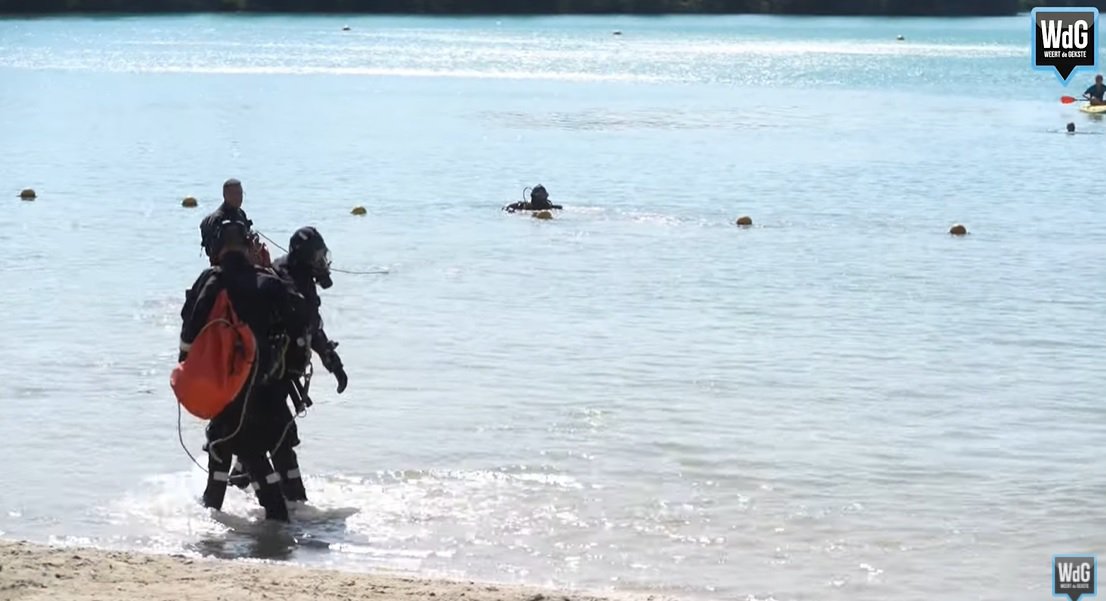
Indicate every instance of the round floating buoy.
{"type": "Point", "coordinates": [27, 194]}
{"type": "Point", "coordinates": [744, 221]}
{"type": "Point", "coordinates": [358, 210]}
{"type": "Point", "coordinates": [543, 215]}
{"type": "Point", "coordinates": [958, 230]}
{"type": "Point", "coordinates": [189, 202]}
{"type": "Point", "coordinates": [346, 28]}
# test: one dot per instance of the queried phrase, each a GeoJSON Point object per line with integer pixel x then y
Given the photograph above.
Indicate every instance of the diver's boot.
{"type": "Point", "coordinates": [287, 465]}
{"type": "Point", "coordinates": [266, 485]}
{"type": "Point", "coordinates": [217, 476]}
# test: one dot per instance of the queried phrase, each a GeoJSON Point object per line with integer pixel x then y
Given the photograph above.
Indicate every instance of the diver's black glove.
{"type": "Point", "coordinates": [333, 363]}
{"type": "Point", "coordinates": [340, 375]}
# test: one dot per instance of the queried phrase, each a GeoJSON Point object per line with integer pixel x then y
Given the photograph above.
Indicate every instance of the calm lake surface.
{"type": "Point", "coordinates": [841, 402]}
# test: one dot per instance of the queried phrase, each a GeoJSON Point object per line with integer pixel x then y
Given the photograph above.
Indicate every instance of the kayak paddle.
{"type": "Point", "coordinates": [1069, 99]}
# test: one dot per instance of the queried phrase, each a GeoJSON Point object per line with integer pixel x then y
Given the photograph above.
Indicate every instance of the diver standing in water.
{"type": "Point", "coordinates": [231, 209]}
{"type": "Point", "coordinates": [539, 201]}
{"type": "Point", "coordinates": [268, 307]}
{"type": "Point", "coordinates": [306, 265]}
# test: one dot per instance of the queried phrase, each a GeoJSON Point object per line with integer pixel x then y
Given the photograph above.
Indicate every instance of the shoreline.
{"type": "Point", "coordinates": [36, 572]}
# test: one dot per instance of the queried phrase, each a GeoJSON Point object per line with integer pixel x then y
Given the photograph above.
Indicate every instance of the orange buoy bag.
{"type": "Point", "coordinates": [219, 362]}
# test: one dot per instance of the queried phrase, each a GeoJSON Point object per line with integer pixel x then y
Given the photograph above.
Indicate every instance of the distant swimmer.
{"type": "Point", "coordinates": [539, 201]}
{"type": "Point", "coordinates": [1071, 128]}
{"type": "Point", "coordinates": [1095, 92]}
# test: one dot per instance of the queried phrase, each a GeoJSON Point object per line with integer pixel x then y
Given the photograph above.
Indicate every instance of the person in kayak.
{"type": "Point", "coordinates": [539, 201]}
{"type": "Point", "coordinates": [1096, 92]}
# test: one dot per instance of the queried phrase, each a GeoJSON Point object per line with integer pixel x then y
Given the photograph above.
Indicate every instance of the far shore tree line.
{"type": "Point", "coordinates": [934, 8]}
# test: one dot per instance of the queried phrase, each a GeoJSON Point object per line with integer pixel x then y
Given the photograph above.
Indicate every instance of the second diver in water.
{"type": "Point", "coordinates": [539, 201]}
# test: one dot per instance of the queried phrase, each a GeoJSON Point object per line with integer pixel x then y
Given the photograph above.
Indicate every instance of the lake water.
{"type": "Point", "coordinates": [841, 402]}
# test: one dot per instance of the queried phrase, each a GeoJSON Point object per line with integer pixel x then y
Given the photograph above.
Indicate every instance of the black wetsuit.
{"type": "Point", "coordinates": [281, 431]}
{"type": "Point", "coordinates": [211, 223]}
{"type": "Point", "coordinates": [533, 205]}
{"type": "Point", "coordinates": [302, 279]}
{"type": "Point", "coordinates": [270, 309]}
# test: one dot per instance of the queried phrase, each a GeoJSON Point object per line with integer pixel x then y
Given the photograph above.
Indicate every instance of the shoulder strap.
{"type": "Point", "coordinates": [225, 305]}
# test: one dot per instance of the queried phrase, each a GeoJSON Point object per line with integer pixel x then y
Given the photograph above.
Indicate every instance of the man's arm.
{"type": "Point", "coordinates": [325, 348]}
{"type": "Point", "coordinates": [207, 232]}
{"type": "Point", "coordinates": [288, 304]}
{"type": "Point", "coordinates": [198, 302]}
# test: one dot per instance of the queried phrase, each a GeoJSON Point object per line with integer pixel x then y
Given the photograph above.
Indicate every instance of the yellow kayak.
{"type": "Point", "coordinates": [1094, 110]}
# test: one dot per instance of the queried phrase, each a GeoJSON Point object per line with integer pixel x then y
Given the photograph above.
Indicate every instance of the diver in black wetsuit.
{"type": "Point", "coordinates": [231, 209]}
{"type": "Point", "coordinates": [539, 201]}
{"type": "Point", "coordinates": [268, 306]}
{"type": "Point", "coordinates": [306, 264]}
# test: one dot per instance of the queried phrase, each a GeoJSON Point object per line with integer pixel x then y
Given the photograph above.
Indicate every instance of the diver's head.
{"type": "Point", "coordinates": [232, 193]}
{"type": "Point", "coordinates": [539, 194]}
{"type": "Point", "coordinates": [231, 236]}
{"type": "Point", "coordinates": [1071, 128]}
{"type": "Point", "coordinates": [308, 249]}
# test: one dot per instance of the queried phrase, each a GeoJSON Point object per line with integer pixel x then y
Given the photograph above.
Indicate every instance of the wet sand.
{"type": "Point", "coordinates": [30, 572]}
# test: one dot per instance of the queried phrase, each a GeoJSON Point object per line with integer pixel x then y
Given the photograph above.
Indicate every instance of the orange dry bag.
{"type": "Point", "coordinates": [218, 364]}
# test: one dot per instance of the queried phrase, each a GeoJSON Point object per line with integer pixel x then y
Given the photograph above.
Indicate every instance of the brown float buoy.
{"type": "Point", "coordinates": [543, 215]}
{"type": "Point", "coordinates": [744, 221]}
{"type": "Point", "coordinates": [189, 202]}
{"type": "Point", "coordinates": [358, 210]}
{"type": "Point", "coordinates": [27, 194]}
{"type": "Point", "coordinates": [958, 230]}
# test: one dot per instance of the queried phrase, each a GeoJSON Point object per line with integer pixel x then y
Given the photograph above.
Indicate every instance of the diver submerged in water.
{"type": "Point", "coordinates": [306, 266]}
{"type": "Point", "coordinates": [539, 201]}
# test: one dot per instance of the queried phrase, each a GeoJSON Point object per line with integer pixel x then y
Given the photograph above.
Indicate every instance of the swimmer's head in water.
{"type": "Point", "coordinates": [1071, 128]}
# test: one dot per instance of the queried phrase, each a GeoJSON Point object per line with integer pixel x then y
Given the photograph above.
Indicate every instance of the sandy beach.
{"type": "Point", "coordinates": [30, 572]}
